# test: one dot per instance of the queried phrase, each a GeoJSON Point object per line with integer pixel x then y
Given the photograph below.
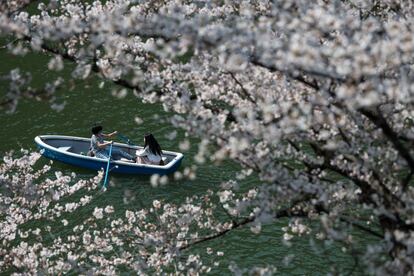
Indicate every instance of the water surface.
{"type": "Point", "coordinates": [86, 104]}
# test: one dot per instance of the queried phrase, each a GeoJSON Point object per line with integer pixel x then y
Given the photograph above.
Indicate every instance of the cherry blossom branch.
{"type": "Point", "coordinates": [381, 122]}
{"type": "Point", "coordinates": [246, 94]}
{"type": "Point", "coordinates": [296, 76]}
{"type": "Point", "coordinates": [11, 7]}
{"type": "Point", "coordinates": [287, 212]}
{"type": "Point", "coordinates": [376, 118]}
{"type": "Point", "coordinates": [361, 227]}
{"type": "Point", "coordinates": [29, 93]}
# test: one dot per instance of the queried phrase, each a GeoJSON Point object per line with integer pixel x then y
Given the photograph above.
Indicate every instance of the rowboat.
{"type": "Point", "coordinates": [73, 150]}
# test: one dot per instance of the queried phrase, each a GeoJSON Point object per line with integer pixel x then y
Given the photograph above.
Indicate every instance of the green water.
{"type": "Point", "coordinates": [86, 104]}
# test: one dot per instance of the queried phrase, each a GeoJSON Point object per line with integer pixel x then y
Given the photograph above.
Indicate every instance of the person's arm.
{"type": "Point", "coordinates": [103, 145]}
{"type": "Point", "coordinates": [110, 135]}
{"type": "Point", "coordinates": [142, 153]}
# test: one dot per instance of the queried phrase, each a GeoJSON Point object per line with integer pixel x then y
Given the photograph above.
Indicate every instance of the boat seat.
{"type": "Point", "coordinates": [65, 148]}
{"type": "Point", "coordinates": [126, 160]}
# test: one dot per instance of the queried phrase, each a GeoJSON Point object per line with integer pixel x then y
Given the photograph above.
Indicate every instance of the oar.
{"type": "Point", "coordinates": [125, 139]}
{"type": "Point", "coordinates": [107, 167]}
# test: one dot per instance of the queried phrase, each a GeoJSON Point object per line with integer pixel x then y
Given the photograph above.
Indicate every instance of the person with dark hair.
{"type": "Point", "coordinates": [99, 148]}
{"type": "Point", "coordinates": [151, 153]}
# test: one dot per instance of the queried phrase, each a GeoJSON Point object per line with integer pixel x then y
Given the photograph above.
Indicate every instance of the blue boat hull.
{"type": "Point", "coordinates": [98, 164]}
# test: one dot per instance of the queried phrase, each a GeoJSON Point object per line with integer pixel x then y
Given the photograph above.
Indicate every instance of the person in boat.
{"type": "Point", "coordinates": [100, 149]}
{"type": "Point", "coordinates": [151, 153]}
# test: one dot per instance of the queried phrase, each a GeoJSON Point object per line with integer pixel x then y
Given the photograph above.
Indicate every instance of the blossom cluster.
{"type": "Point", "coordinates": [315, 98]}
{"type": "Point", "coordinates": [36, 205]}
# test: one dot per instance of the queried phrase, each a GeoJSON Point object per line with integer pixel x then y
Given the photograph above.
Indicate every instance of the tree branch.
{"type": "Point", "coordinates": [125, 83]}
{"type": "Point", "coordinates": [361, 227]}
{"type": "Point", "coordinates": [246, 94]}
{"type": "Point", "coordinates": [309, 83]}
{"type": "Point", "coordinates": [377, 119]}
{"type": "Point", "coordinates": [287, 212]}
